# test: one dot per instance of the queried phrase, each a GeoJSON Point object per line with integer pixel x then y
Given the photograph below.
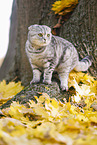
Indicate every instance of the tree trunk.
{"type": "Point", "coordinates": [80, 29]}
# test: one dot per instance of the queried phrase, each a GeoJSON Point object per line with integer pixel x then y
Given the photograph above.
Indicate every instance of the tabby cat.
{"type": "Point", "coordinates": [48, 53]}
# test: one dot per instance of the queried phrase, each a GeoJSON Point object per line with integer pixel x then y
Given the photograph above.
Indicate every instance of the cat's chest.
{"type": "Point", "coordinates": [43, 59]}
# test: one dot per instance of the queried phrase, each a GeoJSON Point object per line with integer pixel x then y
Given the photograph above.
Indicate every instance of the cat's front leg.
{"type": "Point", "coordinates": [64, 80]}
{"type": "Point", "coordinates": [48, 74]}
{"type": "Point", "coordinates": [36, 75]}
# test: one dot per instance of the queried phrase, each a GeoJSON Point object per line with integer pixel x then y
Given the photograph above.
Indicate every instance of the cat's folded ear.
{"type": "Point", "coordinates": [32, 27]}
{"type": "Point", "coordinates": [29, 28]}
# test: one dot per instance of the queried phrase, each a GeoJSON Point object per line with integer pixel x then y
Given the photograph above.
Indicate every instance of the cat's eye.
{"type": "Point", "coordinates": [40, 34]}
{"type": "Point", "coordinates": [48, 35]}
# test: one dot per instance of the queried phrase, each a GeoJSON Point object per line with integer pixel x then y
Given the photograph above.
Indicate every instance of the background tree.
{"type": "Point", "coordinates": [80, 29]}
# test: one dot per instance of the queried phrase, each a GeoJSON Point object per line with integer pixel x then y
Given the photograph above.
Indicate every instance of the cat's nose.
{"type": "Point", "coordinates": [44, 40]}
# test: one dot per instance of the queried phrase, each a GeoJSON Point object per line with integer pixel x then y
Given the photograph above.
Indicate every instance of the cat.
{"type": "Point", "coordinates": [48, 53]}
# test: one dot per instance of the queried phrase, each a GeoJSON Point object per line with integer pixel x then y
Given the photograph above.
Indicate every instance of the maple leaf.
{"type": "Point", "coordinates": [7, 91]}
{"type": "Point", "coordinates": [63, 7]}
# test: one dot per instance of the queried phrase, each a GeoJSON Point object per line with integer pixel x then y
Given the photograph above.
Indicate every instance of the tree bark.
{"type": "Point", "coordinates": [80, 29]}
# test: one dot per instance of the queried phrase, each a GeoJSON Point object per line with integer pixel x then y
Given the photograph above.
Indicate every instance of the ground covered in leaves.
{"type": "Point", "coordinates": [49, 121]}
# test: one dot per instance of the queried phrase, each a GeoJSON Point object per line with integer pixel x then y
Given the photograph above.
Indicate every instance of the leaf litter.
{"type": "Point", "coordinates": [50, 121]}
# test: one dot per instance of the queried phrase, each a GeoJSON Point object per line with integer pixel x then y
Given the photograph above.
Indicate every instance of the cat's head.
{"type": "Point", "coordinates": [39, 35]}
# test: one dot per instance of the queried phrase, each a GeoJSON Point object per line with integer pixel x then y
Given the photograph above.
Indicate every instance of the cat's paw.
{"type": "Point", "coordinates": [47, 81]}
{"type": "Point", "coordinates": [34, 81]}
{"type": "Point", "coordinates": [64, 87]}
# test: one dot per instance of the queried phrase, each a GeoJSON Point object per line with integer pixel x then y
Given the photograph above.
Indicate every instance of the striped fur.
{"type": "Point", "coordinates": [47, 53]}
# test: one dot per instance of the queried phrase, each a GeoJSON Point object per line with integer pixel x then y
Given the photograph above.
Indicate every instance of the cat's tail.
{"type": "Point", "coordinates": [84, 64]}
